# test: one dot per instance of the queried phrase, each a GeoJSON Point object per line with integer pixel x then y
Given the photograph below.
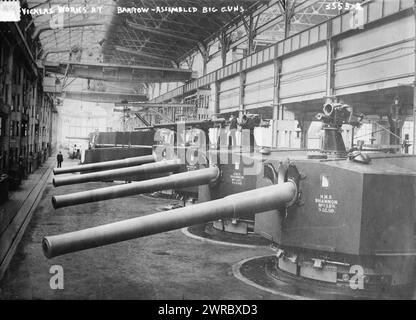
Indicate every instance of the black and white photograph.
{"type": "Point", "coordinates": [220, 153]}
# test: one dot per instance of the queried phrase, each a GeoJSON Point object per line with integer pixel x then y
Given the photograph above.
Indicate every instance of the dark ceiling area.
{"type": "Point", "coordinates": [163, 38]}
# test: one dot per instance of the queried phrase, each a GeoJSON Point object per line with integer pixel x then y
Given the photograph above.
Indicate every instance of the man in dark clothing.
{"type": "Point", "coordinates": [59, 159]}
{"type": "Point", "coordinates": [30, 162]}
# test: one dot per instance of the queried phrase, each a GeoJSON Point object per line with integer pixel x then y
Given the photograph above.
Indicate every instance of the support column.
{"type": "Point", "coordinates": [205, 57]}
{"type": "Point", "coordinates": [216, 109]}
{"type": "Point", "coordinates": [304, 127]}
{"type": "Point", "coordinates": [241, 93]}
{"type": "Point", "coordinates": [393, 119]}
{"type": "Point", "coordinates": [288, 9]}
{"type": "Point", "coordinates": [9, 80]}
{"type": "Point", "coordinates": [277, 65]}
{"type": "Point", "coordinates": [330, 50]}
{"type": "Point", "coordinates": [250, 27]}
{"type": "Point", "coordinates": [414, 116]}
{"type": "Point", "coordinates": [173, 113]}
{"type": "Point", "coordinates": [225, 42]}
{"type": "Point", "coordinates": [414, 88]}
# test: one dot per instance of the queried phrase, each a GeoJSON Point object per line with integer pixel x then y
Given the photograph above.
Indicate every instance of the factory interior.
{"type": "Point", "coordinates": [207, 150]}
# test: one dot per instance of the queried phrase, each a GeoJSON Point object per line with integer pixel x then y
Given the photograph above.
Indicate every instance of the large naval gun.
{"type": "Point", "coordinates": [110, 146]}
{"type": "Point", "coordinates": [331, 217]}
{"type": "Point", "coordinates": [178, 148]}
{"type": "Point", "coordinates": [117, 150]}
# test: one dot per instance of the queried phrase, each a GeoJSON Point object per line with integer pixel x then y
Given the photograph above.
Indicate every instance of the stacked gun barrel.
{"type": "Point", "coordinates": [251, 201]}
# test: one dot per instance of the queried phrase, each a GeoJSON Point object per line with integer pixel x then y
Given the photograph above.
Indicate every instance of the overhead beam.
{"type": "Point", "coordinates": [161, 50]}
{"type": "Point", "coordinates": [138, 104]}
{"type": "Point", "coordinates": [160, 32]}
{"type": "Point", "coordinates": [117, 72]}
{"type": "Point", "coordinates": [143, 54]}
{"type": "Point", "coordinates": [142, 119]}
{"type": "Point", "coordinates": [57, 50]}
{"type": "Point", "coordinates": [195, 25]}
{"type": "Point", "coordinates": [102, 97]}
{"type": "Point", "coordinates": [166, 44]}
{"type": "Point", "coordinates": [47, 27]}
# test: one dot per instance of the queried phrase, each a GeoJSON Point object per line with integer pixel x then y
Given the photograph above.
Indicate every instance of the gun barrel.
{"type": "Point", "coordinates": [174, 181]}
{"type": "Point", "coordinates": [106, 165]}
{"type": "Point", "coordinates": [148, 168]}
{"type": "Point", "coordinates": [253, 201]}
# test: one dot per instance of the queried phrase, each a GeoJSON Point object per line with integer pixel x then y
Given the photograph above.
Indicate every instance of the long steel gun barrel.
{"type": "Point", "coordinates": [141, 170]}
{"type": "Point", "coordinates": [106, 165]}
{"type": "Point", "coordinates": [174, 181]}
{"type": "Point", "coordinates": [253, 201]}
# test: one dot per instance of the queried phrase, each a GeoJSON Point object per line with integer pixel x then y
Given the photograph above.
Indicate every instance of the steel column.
{"type": "Point", "coordinates": [276, 99]}
{"type": "Point", "coordinates": [414, 86]}
{"type": "Point", "coordinates": [241, 91]}
{"type": "Point", "coordinates": [330, 51]}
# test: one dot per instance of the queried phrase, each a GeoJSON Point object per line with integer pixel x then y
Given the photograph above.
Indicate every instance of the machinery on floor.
{"type": "Point", "coordinates": [331, 217]}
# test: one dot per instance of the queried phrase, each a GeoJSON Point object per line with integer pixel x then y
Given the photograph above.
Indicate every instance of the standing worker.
{"type": "Point", "coordinates": [59, 159]}
{"type": "Point", "coordinates": [30, 162]}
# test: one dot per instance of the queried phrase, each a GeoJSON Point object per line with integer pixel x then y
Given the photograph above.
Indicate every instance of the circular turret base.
{"type": "Point", "coordinates": [264, 274]}
{"type": "Point", "coordinates": [208, 232]}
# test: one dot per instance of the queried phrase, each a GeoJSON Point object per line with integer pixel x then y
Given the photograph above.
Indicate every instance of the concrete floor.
{"type": "Point", "coordinates": [163, 266]}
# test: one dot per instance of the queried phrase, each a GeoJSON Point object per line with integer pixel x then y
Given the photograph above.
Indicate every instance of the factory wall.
{"type": "Point", "coordinates": [27, 128]}
{"type": "Point", "coordinates": [25, 111]}
{"type": "Point", "coordinates": [79, 119]}
{"type": "Point", "coordinates": [335, 58]}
